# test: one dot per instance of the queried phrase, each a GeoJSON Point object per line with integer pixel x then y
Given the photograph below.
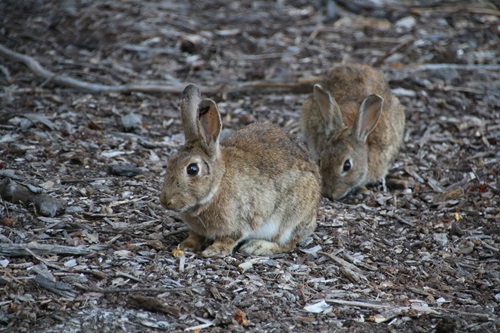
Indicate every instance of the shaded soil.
{"type": "Point", "coordinates": [422, 257]}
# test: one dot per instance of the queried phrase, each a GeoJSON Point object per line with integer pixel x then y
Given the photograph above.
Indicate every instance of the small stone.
{"type": "Point", "coordinates": [132, 122]}
{"type": "Point", "coordinates": [441, 238]}
{"type": "Point", "coordinates": [70, 263]}
{"type": "Point", "coordinates": [406, 23]}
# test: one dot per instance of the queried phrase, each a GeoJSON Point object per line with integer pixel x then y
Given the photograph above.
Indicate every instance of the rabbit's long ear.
{"type": "Point", "coordinates": [329, 109]}
{"type": "Point", "coordinates": [210, 125]}
{"type": "Point", "coordinates": [368, 116]}
{"type": "Point", "coordinates": [191, 98]}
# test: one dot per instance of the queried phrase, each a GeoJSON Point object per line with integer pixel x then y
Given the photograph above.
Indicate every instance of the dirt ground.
{"type": "Point", "coordinates": [422, 257]}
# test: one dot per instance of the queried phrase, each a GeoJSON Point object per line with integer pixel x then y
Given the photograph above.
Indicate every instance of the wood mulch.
{"type": "Point", "coordinates": [89, 94]}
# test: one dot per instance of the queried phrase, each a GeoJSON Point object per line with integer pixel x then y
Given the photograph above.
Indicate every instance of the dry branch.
{"type": "Point", "coordinates": [350, 271]}
{"type": "Point", "coordinates": [26, 249]}
{"type": "Point", "coordinates": [131, 290]}
{"type": "Point", "coordinates": [44, 204]}
{"type": "Point", "coordinates": [359, 304]}
{"type": "Point", "coordinates": [457, 9]}
{"type": "Point", "coordinates": [300, 86]}
{"type": "Point", "coordinates": [406, 41]}
{"type": "Point", "coordinates": [59, 288]}
{"type": "Point", "coordinates": [472, 67]}
{"type": "Point", "coordinates": [152, 304]}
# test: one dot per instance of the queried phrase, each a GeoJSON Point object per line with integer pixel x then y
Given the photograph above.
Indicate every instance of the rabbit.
{"type": "Point", "coordinates": [258, 187]}
{"type": "Point", "coordinates": [353, 126]}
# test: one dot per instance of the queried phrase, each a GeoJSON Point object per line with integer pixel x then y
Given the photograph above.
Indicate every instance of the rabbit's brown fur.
{"type": "Point", "coordinates": [336, 131]}
{"type": "Point", "coordinates": [260, 185]}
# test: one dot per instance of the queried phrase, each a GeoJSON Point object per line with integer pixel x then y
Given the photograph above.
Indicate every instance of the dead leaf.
{"type": "Point", "coordinates": [241, 317]}
{"type": "Point", "coordinates": [177, 252]}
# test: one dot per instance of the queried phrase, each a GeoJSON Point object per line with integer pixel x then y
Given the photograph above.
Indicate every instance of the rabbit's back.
{"type": "Point", "coordinates": [350, 84]}
{"type": "Point", "coordinates": [267, 150]}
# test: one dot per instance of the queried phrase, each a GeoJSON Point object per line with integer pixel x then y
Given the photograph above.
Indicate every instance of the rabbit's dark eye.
{"type": "Point", "coordinates": [192, 169]}
{"type": "Point", "coordinates": [347, 166]}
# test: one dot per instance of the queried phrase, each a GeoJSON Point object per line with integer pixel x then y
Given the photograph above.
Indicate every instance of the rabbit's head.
{"type": "Point", "coordinates": [344, 159]}
{"type": "Point", "coordinates": [194, 173]}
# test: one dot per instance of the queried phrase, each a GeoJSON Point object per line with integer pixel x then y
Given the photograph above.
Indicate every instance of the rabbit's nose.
{"type": "Point", "coordinates": [165, 202]}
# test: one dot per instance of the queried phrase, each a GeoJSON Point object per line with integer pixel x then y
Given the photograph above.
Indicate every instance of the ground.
{"type": "Point", "coordinates": [421, 257]}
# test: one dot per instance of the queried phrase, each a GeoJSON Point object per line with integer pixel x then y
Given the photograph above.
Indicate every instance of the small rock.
{"type": "Point", "coordinates": [466, 247]}
{"type": "Point", "coordinates": [132, 122]}
{"type": "Point", "coordinates": [406, 23]}
{"type": "Point", "coordinates": [441, 238]}
{"type": "Point", "coordinates": [70, 263]}
{"type": "Point", "coordinates": [4, 263]}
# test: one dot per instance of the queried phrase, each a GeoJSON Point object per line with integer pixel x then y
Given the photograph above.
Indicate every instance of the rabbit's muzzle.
{"type": "Point", "coordinates": [166, 201]}
{"type": "Point", "coordinates": [174, 202]}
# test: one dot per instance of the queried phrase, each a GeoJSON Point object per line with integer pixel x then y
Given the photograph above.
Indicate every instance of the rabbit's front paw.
{"type": "Point", "coordinates": [220, 248]}
{"type": "Point", "coordinates": [192, 243]}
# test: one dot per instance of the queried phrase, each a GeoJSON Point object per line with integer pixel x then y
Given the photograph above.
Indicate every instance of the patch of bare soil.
{"type": "Point", "coordinates": [423, 257]}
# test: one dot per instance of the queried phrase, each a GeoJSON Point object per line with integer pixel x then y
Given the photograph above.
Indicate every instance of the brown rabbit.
{"type": "Point", "coordinates": [353, 126]}
{"type": "Point", "coordinates": [259, 186]}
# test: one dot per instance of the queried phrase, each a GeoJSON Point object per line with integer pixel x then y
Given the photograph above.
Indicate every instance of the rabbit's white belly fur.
{"type": "Point", "coordinates": [268, 231]}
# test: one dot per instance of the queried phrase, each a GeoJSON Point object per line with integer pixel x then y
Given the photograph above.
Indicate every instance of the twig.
{"type": "Point", "coordinates": [427, 67]}
{"type": "Point", "coordinates": [402, 220]}
{"type": "Point", "coordinates": [82, 180]}
{"type": "Point", "coordinates": [6, 73]}
{"type": "Point", "coordinates": [131, 290]}
{"type": "Point", "coordinates": [128, 276]}
{"type": "Point", "coordinates": [340, 261]}
{"type": "Point", "coordinates": [455, 9]}
{"type": "Point", "coordinates": [21, 249]}
{"type": "Point", "coordinates": [350, 271]}
{"type": "Point", "coordinates": [300, 86]}
{"type": "Point", "coordinates": [207, 323]}
{"type": "Point", "coordinates": [46, 262]}
{"type": "Point", "coordinates": [176, 232]}
{"type": "Point", "coordinates": [360, 304]}
{"type": "Point", "coordinates": [154, 50]}
{"type": "Point", "coordinates": [41, 72]}
{"type": "Point", "coordinates": [482, 316]}
{"type": "Point", "coordinates": [152, 304]}
{"type": "Point", "coordinates": [488, 246]}
{"type": "Point", "coordinates": [60, 288]}
{"type": "Point", "coordinates": [406, 41]}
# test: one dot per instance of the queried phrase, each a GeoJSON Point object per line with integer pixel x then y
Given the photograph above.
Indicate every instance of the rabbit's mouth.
{"type": "Point", "coordinates": [171, 203]}
{"type": "Point", "coordinates": [335, 194]}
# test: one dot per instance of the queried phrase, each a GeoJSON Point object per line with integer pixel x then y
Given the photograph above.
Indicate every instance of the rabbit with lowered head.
{"type": "Point", "coordinates": [258, 187]}
{"type": "Point", "coordinates": [353, 126]}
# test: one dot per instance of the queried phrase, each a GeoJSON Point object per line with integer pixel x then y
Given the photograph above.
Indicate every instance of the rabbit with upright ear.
{"type": "Point", "coordinates": [353, 126]}
{"type": "Point", "coordinates": [258, 187]}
